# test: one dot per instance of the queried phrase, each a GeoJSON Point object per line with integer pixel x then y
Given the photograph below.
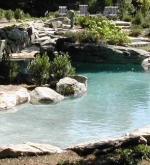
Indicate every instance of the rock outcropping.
{"type": "Point", "coordinates": [12, 95]}
{"type": "Point", "coordinates": [69, 86]}
{"type": "Point", "coordinates": [99, 53]}
{"type": "Point", "coordinates": [27, 149]}
{"type": "Point", "coordinates": [45, 95]}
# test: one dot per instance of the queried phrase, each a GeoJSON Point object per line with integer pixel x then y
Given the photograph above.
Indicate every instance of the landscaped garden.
{"type": "Point", "coordinates": [102, 88]}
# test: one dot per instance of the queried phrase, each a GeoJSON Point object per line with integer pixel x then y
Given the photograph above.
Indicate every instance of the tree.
{"type": "Point", "coordinates": [125, 8]}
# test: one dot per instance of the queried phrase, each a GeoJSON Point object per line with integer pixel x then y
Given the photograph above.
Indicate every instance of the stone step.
{"type": "Point", "coordinates": [124, 27]}
{"type": "Point", "coordinates": [140, 43]}
{"type": "Point", "coordinates": [139, 39]}
{"type": "Point", "coordinates": [122, 23]}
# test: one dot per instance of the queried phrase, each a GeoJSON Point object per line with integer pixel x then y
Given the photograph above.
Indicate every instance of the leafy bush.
{"type": "Point", "coordinates": [40, 69]}
{"type": "Point", "coordinates": [9, 14]}
{"type": "Point", "coordinates": [27, 15]}
{"type": "Point", "coordinates": [112, 17]}
{"type": "Point", "coordinates": [119, 39]}
{"type": "Point", "coordinates": [2, 13]}
{"type": "Point", "coordinates": [72, 35]}
{"type": "Point", "coordinates": [138, 19]}
{"type": "Point", "coordinates": [136, 30]}
{"type": "Point", "coordinates": [145, 24]}
{"type": "Point", "coordinates": [127, 18]}
{"type": "Point", "coordinates": [87, 37]}
{"type": "Point", "coordinates": [61, 66]}
{"type": "Point", "coordinates": [100, 29]}
{"type": "Point", "coordinates": [19, 14]}
{"type": "Point", "coordinates": [133, 155]}
{"type": "Point", "coordinates": [56, 14]}
{"type": "Point", "coordinates": [84, 22]}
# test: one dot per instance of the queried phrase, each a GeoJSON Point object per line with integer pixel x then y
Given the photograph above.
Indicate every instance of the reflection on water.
{"type": "Point", "coordinates": [117, 101]}
{"type": "Point", "coordinates": [92, 67]}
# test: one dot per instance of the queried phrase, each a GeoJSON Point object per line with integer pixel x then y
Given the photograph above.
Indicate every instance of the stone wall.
{"type": "Point", "coordinates": [99, 53]}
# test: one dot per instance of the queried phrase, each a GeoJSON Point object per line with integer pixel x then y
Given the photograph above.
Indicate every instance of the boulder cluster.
{"type": "Point", "coordinates": [13, 95]}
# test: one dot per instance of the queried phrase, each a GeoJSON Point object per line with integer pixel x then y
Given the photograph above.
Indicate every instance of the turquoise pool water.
{"type": "Point", "coordinates": [117, 101]}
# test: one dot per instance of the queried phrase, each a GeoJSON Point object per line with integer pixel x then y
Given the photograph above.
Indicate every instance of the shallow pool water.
{"type": "Point", "coordinates": [117, 101]}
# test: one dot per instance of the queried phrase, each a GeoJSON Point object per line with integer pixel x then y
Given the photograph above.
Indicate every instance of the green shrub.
{"type": "Point", "coordinates": [136, 30]}
{"type": "Point", "coordinates": [19, 14]}
{"type": "Point", "coordinates": [127, 18]}
{"type": "Point", "coordinates": [145, 24]}
{"type": "Point", "coordinates": [61, 66]}
{"type": "Point", "coordinates": [138, 19]}
{"type": "Point", "coordinates": [71, 35]}
{"type": "Point", "coordinates": [112, 17]}
{"type": "Point", "coordinates": [119, 39]}
{"type": "Point", "coordinates": [100, 29]}
{"type": "Point", "coordinates": [40, 69]}
{"type": "Point", "coordinates": [56, 14]}
{"type": "Point", "coordinates": [133, 155]}
{"type": "Point", "coordinates": [27, 15]}
{"type": "Point", "coordinates": [87, 37]}
{"type": "Point", "coordinates": [2, 13]}
{"type": "Point", "coordinates": [9, 14]}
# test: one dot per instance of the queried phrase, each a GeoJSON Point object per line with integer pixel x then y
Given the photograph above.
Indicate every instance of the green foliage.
{"type": "Point", "coordinates": [72, 35]}
{"type": "Point", "coordinates": [8, 70]}
{"type": "Point", "coordinates": [19, 14]}
{"type": "Point", "coordinates": [125, 8]}
{"type": "Point", "coordinates": [39, 69]}
{"type": "Point", "coordinates": [112, 17]}
{"type": "Point", "coordinates": [119, 39]}
{"type": "Point", "coordinates": [100, 29]}
{"type": "Point", "coordinates": [127, 18]}
{"type": "Point", "coordinates": [145, 5]}
{"type": "Point", "coordinates": [27, 15]}
{"type": "Point", "coordinates": [9, 14]}
{"type": "Point", "coordinates": [56, 14]}
{"type": "Point", "coordinates": [84, 22]}
{"type": "Point", "coordinates": [138, 19]}
{"type": "Point", "coordinates": [87, 37]}
{"type": "Point", "coordinates": [133, 155]}
{"type": "Point", "coordinates": [136, 30]}
{"type": "Point", "coordinates": [2, 13]}
{"type": "Point", "coordinates": [145, 24]}
{"type": "Point", "coordinates": [61, 66]}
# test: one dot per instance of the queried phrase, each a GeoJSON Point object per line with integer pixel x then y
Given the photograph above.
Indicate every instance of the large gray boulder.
{"type": "Point", "coordinates": [45, 95]}
{"type": "Point", "coordinates": [69, 86]}
{"type": "Point", "coordinates": [27, 149]}
{"type": "Point", "coordinates": [101, 53]}
{"type": "Point", "coordinates": [16, 37]}
{"type": "Point", "coordinates": [12, 95]}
